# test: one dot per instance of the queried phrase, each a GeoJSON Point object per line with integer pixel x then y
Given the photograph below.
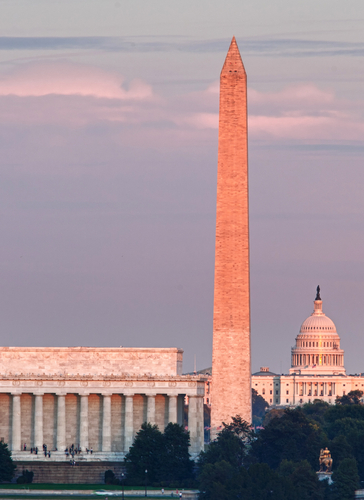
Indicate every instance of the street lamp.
{"type": "Point", "coordinates": [122, 482]}
{"type": "Point", "coordinates": [146, 472]}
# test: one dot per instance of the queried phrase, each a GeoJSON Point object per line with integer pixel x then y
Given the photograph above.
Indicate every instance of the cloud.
{"type": "Point", "coordinates": [279, 47]}
{"type": "Point", "coordinates": [80, 95]}
{"type": "Point", "coordinates": [199, 120]}
{"type": "Point", "coordinates": [64, 78]}
{"type": "Point", "coordinates": [304, 113]}
{"type": "Point", "coordinates": [303, 128]}
{"type": "Point", "coordinates": [301, 113]}
{"type": "Point", "coordinates": [292, 96]}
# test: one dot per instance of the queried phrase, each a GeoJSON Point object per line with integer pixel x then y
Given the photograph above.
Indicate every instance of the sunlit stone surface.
{"type": "Point", "coordinates": [93, 398]}
{"type": "Point", "coordinates": [231, 372]}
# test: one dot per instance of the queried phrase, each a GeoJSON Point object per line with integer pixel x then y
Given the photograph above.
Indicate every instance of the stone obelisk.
{"type": "Point", "coordinates": [231, 372]}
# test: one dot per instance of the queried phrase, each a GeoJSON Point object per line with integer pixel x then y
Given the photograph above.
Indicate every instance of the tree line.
{"type": "Point", "coordinates": [279, 462]}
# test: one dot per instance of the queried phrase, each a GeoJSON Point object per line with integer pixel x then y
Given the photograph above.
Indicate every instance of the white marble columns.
{"type": "Point", "coordinates": [151, 409]}
{"type": "Point", "coordinates": [195, 423]}
{"type": "Point", "coordinates": [106, 423]}
{"type": "Point", "coordinates": [16, 424]}
{"type": "Point", "coordinates": [128, 413]}
{"type": "Point", "coordinates": [38, 421]}
{"type": "Point", "coordinates": [129, 422]}
{"type": "Point", "coordinates": [61, 422]}
{"type": "Point", "coordinates": [84, 422]}
{"type": "Point", "coordinates": [172, 409]}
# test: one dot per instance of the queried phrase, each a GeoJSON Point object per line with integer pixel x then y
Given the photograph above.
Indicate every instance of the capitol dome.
{"type": "Point", "coordinates": [317, 348]}
{"type": "Point", "coordinates": [318, 322]}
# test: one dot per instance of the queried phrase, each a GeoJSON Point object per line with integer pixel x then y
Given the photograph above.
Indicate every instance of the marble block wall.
{"type": "Point", "coordinates": [91, 360]}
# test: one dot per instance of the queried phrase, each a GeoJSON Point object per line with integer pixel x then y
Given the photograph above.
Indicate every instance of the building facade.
{"type": "Point", "coordinates": [93, 398]}
{"type": "Point", "coordinates": [317, 367]}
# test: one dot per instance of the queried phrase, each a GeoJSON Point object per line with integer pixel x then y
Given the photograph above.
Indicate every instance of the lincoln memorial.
{"type": "Point", "coordinates": [93, 398]}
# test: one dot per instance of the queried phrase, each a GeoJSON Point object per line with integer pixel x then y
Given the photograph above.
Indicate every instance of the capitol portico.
{"type": "Point", "coordinates": [93, 398]}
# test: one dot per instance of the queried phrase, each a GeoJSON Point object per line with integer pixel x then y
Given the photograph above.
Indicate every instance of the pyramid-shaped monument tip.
{"type": "Point", "coordinates": [233, 62]}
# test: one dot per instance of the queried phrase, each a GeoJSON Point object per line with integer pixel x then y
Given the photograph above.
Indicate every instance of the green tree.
{"type": "Point", "coordinates": [344, 427]}
{"type": "Point", "coordinates": [346, 480]}
{"type": "Point", "coordinates": [239, 427]}
{"type": "Point", "coordinates": [264, 483]}
{"type": "Point", "coordinates": [291, 437]}
{"type": "Point", "coordinates": [259, 405]}
{"type": "Point", "coordinates": [227, 447]}
{"type": "Point", "coordinates": [316, 410]}
{"type": "Point", "coordinates": [304, 479]}
{"type": "Point", "coordinates": [222, 481]}
{"type": "Point", "coordinates": [7, 466]}
{"type": "Point", "coordinates": [177, 465]}
{"type": "Point", "coordinates": [356, 440]}
{"type": "Point", "coordinates": [340, 449]}
{"type": "Point", "coordinates": [271, 414]}
{"type": "Point", "coordinates": [347, 436]}
{"type": "Point", "coordinates": [145, 454]}
{"type": "Point", "coordinates": [352, 398]}
{"type": "Point", "coordinates": [165, 456]}
{"type": "Point", "coordinates": [336, 412]}
{"type": "Point", "coordinates": [26, 477]}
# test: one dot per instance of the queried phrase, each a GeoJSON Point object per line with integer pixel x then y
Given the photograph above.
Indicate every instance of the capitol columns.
{"type": "Point", "coordinates": [84, 421]}
{"type": "Point", "coordinates": [61, 422]}
{"type": "Point", "coordinates": [38, 421]}
{"type": "Point", "coordinates": [16, 423]}
{"type": "Point", "coordinates": [106, 423]}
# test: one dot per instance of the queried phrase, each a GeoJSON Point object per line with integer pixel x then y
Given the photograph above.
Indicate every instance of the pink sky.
{"type": "Point", "coordinates": [108, 130]}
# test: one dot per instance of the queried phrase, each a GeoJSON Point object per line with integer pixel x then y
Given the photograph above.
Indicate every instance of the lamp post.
{"type": "Point", "coordinates": [146, 472]}
{"type": "Point", "coordinates": [122, 482]}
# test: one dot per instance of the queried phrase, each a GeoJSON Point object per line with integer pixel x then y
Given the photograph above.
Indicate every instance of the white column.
{"type": "Point", "coordinates": [84, 422]}
{"type": "Point", "coordinates": [195, 423]}
{"type": "Point", "coordinates": [38, 422]}
{"type": "Point", "coordinates": [106, 423]}
{"type": "Point", "coordinates": [16, 424]}
{"type": "Point", "coordinates": [61, 422]}
{"type": "Point", "coordinates": [151, 409]}
{"type": "Point", "coordinates": [129, 422]}
{"type": "Point", "coordinates": [172, 409]}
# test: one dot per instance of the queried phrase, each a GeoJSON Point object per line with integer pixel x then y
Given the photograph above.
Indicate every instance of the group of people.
{"type": "Point", "coordinates": [46, 452]}
{"type": "Point", "coordinates": [179, 494]}
{"type": "Point", "coordinates": [35, 450]}
{"type": "Point", "coordinates": [74, 450]}
{"type": "Point", "coordinates": [71, 451]}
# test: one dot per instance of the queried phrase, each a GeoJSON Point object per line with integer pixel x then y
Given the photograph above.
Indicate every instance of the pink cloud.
{"type": "Point", "coordinates": [304, 112]}
{"type": "Point", "coordinates": [312, 128]}
{"type": "Point", "coordinates": [298, 95]}
{"type": "Point", "coordinates": [77, 95]}
{"type": "Point", "coordinates": [64, 78]}
{"type": "Point", "coordinates": [198, 120]}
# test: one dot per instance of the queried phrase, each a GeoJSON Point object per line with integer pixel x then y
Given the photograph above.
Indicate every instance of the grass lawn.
{"type": "Point", "coordinates": [78, 497]}
{"type": "Point", "coordinates": [50, 486]}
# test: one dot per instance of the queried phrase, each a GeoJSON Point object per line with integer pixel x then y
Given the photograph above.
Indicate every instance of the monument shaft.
{"type": "Point", "coordinates": [231, 368]}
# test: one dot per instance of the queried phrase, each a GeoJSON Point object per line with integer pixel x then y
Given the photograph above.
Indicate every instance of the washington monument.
{"type": "Point", "coordinates": [231, 371]}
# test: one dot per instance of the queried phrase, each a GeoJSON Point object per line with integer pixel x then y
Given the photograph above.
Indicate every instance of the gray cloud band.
{"type": "Point", "coordinates": [280, 47]}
